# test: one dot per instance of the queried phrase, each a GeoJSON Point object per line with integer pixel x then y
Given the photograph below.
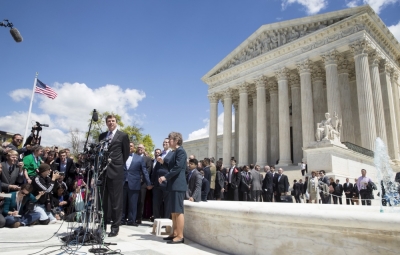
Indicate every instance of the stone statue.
{"type": "Point", "coordinates": [274, 41]}
{"type": "Point", "coordinates": [294, 35]}
{"type": "Point", "coordinates": [328, 129]}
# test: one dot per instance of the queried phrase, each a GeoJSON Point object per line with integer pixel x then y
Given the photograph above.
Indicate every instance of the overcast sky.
{"type": "Point", "coordinates": [140, 59]}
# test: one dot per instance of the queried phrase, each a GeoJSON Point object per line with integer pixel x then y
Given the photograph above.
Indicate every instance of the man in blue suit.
{"type": "Point", "coordinates": [134, 167]}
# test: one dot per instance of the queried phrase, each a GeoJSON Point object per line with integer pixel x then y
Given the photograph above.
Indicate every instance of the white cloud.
{"type": "Point", "coordinates": [395, 29]}
{"type": "Point", "coordinates": [376, 5]}
{"type": "Point", "coordinates": [204, 131]}
{"type": "Point", "coordinates": [71, 109]}
{"type": "Point", "coordinates": [19, 94]}
{"type": "Point", "coordinates": [312, 6]}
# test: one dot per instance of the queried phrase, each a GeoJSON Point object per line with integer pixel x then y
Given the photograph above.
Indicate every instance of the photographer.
{"type": "Point", "coordinates": [43, 182]}
{"type": "Point", "coordinates": [60, 202]}
{"type": "Point", "coordinates": [32, 163]}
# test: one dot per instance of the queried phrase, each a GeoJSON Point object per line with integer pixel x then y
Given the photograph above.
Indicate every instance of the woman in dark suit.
{"type": "Point", "coordinates": [176, 185]}
{"type": "Point", "coordinates": [219, 182]}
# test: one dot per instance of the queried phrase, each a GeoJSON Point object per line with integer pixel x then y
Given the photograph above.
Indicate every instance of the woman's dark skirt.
{"type": "Point", "coordinates": [176, 201]}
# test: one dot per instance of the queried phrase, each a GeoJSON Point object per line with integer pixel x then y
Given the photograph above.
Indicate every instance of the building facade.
{"type": "Point", "coordinates": [282, 80]}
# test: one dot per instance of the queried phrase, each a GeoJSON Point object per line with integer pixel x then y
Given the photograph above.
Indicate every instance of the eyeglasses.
{"type": "Point", "coordinates": [18, 140]}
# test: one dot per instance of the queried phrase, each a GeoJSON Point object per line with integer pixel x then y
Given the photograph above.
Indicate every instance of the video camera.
{"type": "Point", "coordinates": [34, 137]}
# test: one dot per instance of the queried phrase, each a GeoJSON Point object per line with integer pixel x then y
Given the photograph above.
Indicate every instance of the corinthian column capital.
{"type": "Point", "coordinates": [318, 74]}
{"type": "Point", "coordinates": [294, 80]}
{"type": "Point", "coordinates": [385, 66]}
{"type": "Point", "coordinates": [282, 74]}
{"type": "Point", "coordinates": [360, 47]}
{"type": "Point", "coordinates": [261, 82]}
{"type": "Point", "coordinates": [330, 57]}
{"type": "Point", "coordinates": [243, 88]}
{"type": "Point", "coordinates": [304, 66]}
{"type": "Point", "coordinates": [228, 93]}
{"type": "Point", "coordinates": [343, 64]}
{"type": "Point", "coordinates": [374, 58]}
{"type": "Point", "coordinates": [214, 97]}
{"type": "Point", "coordinates": [273, 87]}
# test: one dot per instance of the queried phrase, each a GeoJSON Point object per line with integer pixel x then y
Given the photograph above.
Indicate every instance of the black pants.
{"type": "Point", "coordinates": [246, 196]}
{"type": "Point", "coordinates": [160, 207]}
{"type": "Point", "coordinates": [297, 198]}
{"type": "Point", "coordinates": [365, 194]}
{"type": "Point", "coordinates": [267, 196]}
{"type": "Point", "coordinates": [303, 171]}
{"type": "Point", "coordinates": [112, 191]}
{"type": "Point", "coordinates": [142, 197]}
{"type": "Point", "coordinates": [210, 195]}
{"type": "Point", "coordinates": [277, 197]}
{"type": "Point", "coordinates": [233, 193]}
{"type": "Point", "coordinates": [349, 199]}
{"type": "Point", "coordinates": [335, 199]}
{"type": "Point", "coordinates": [125, 202]}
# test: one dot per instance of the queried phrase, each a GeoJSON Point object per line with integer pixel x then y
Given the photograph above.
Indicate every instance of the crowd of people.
{"type": "Point", "coordinates": [44, 185]}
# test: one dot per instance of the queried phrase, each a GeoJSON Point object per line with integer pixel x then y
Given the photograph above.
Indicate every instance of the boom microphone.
{"type": "Point", "coordinates": [95, 116]}
{"type": "Point", "coordinates": [16, 35]}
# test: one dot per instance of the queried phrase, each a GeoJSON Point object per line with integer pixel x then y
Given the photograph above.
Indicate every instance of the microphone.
{"type": "Point", "coordinates": [95, 116]}
{"type": "Point", "coordinates": [16, 35]}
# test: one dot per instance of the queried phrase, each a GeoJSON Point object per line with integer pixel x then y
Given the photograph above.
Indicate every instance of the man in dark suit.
{"type": "Point", "coordinates": [348, 191]}
{"type": "Point", "coordinates": [143, 190]}
{"type": "Point", "coordinates": [135, 171]}
{"type": "Point", "coordinates": [10, 172]}
{"type": "Point", "coordinates": [207, 175]}
{"type": "Point", "coordinates": [245, 184]}
{"type": "Point", "coordinates": [160, 193]}
{"type": "Point", "coordinates": [194, 181]}
{"type": "Point", "coordinates": [66, 167]}
{"type": "Point", "coordinates": [338, 193]}
{"type": "Point", "coordinates": [233, 182]}
{"type": "Point", "coordinates": [112, 186]}
{"type": "Point", "coordinates": [205, 187]}
{"type": "Point", "coordinates": [281, 185]}
{"type": "Point", "coordinates": [267, 185]}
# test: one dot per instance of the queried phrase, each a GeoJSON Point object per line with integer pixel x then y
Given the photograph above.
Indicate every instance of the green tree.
{"type": "Point", "coordinates": [134, 133]}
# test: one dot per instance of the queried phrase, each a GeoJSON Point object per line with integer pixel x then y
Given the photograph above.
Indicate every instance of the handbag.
{"type": "Point", "coordinates": [331, 189]}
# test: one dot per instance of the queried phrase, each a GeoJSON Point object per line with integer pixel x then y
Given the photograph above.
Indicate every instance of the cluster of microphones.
{"type": "Point", "coordinates": [13, 31]}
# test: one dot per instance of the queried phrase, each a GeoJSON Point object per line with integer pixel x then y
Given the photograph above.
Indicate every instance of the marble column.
{"type": "Point", "coordinates": [243, 124]}
{"type": "Point", "coordinates": [307, 116]}
{"type": "Point", "coordinates": [227, 136]}
{"type": "Point", "coordinates": [364, 95]}
{"type": "Point", "coordinates": [262, 140]}
{"type": "Point", "coordinates": [390, 115]}
{"type": "Point", "coordinates": [212, 141]}
{"type": "Point", "coordinates": [268, 120]}
{"type": "Point", "coordinates": [274, 122]}
{"type": "Point", "coordinates": [236, 106]}
{"type": "Point", "coordinates": [354, 106]}
{"type": "Point", "coordinates": [347, 132]}
{"type": "Point", "coordinates": [332, 82]}
{"type": "Point", "coordinates": [250, 129]}
{"type": "Point", "coordinates": [394, 78]}
{"type": "Point", "coordinates": [254, 127]}
{"type": "Point", "coordinates": [296, 118]}
{"type": "Point", "coordinates": [284, 118]}
{"type": "Point", "coordinates": [319, 103]}
{"type": "Point", "coordinates": [380, 124]}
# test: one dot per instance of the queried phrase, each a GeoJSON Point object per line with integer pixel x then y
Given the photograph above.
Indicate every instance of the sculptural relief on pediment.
{"type": "Point", "coordinates": [272, 39]}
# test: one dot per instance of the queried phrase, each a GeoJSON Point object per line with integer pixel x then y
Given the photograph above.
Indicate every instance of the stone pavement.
{"type": "Point", "coordinates": [131, 241]}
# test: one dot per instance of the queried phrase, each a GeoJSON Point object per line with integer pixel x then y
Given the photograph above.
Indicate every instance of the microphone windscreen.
{"type": "Point", "coordinates": [95, 116]}
{"type": "Point", "coordinates": [15, 34]}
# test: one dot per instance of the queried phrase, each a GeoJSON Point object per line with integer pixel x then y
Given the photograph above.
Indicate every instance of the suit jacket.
{"type": "Point", "coordinates": [194, 186]}
{"type": "Point", "coordinates": [205, 189]}
{"type": "Point", "coordinates": [149, 167]}
{"type": "Point", "coordinates": [119, 153]}
{"type": "Point", "coordinates": [246, 180]}
{"type": "Point", "coordinates": [70, 169]}
{"type": "Point", "coordinates": [340, 190]}
{"type": "Point", "coordinates": [134, 173]}
{"type": "Point", "coordinates": [235, 178]}
{"type": "Point", "coordinates": [268, 182]}
{"type": "Point", "coordinates": [348, 188]}
{"type": "Point", "coordinates": [6, 178]}
{"type": "Point", "coordinates": [207, 173]}
{"type": "Point", "coordinates": [282, 184]}
{"type": "Point", "coordinates": [157, 171]}
{"type": "Point", "coordinates": [297, 187]}
{"type": "Point", "coordinates": [176, 165]}
{"type": "Point", "coordinates": [256, 180]}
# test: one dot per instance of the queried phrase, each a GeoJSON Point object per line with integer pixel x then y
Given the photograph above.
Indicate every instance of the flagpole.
{"type": "Point", "coordinates": [30, 109]}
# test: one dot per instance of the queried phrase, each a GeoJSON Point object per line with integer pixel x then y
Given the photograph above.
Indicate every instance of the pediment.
{"type": "Point", "coordinates": [272, 36]}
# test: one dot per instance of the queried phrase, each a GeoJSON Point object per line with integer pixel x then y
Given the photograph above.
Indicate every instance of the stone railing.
{"type": "Point", "coordinates": [359, 149]}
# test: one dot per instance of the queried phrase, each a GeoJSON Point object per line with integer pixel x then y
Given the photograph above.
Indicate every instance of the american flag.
{"type": "Point", "coordinates": [43, 89]}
